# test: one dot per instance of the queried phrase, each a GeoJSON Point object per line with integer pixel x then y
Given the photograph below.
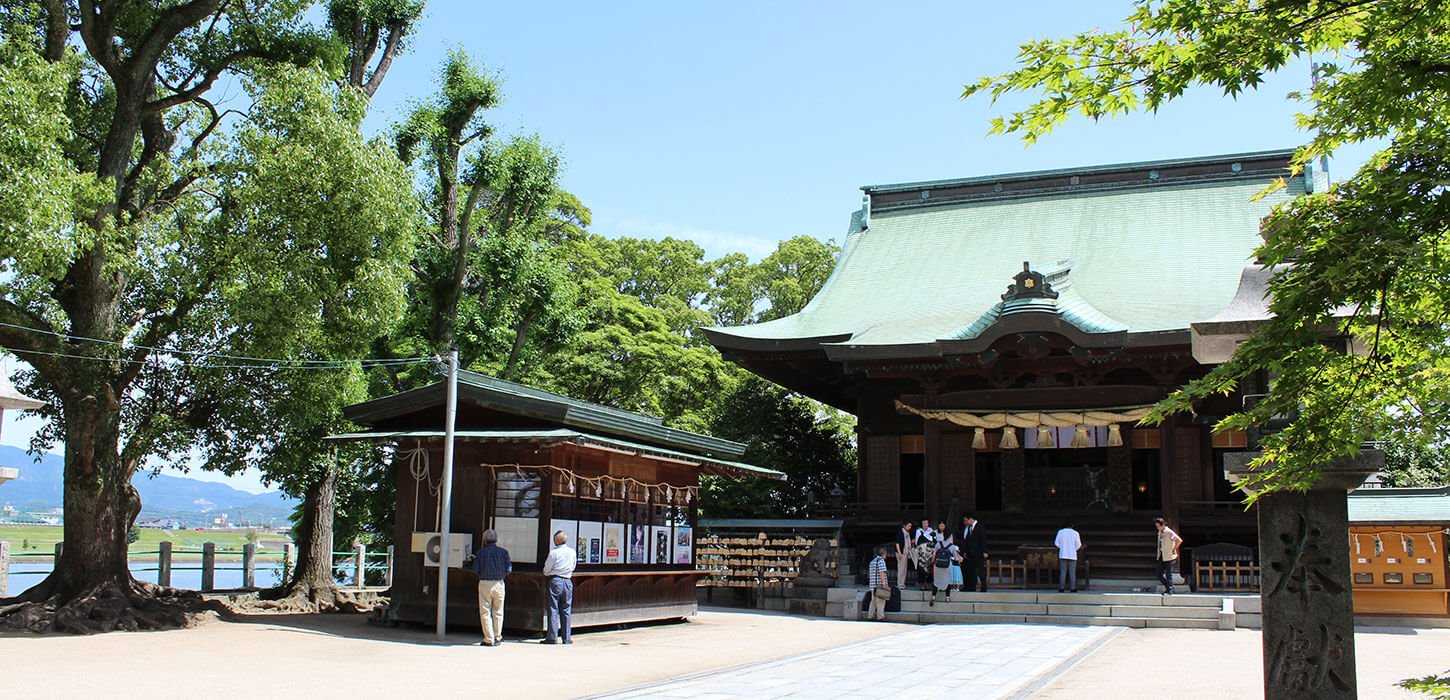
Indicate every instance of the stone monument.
{"type": "Point", "coordinates": [815, 575]}
{"type": "Point", "coordinates": [1305, 583]}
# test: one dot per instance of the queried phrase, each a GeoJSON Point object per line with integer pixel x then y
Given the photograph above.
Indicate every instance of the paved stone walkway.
{"type": "Point", "coordinates": [975, 661]}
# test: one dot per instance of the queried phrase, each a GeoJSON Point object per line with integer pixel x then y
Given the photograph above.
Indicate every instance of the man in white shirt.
{"type": "Point", "coordinates": [1068, 542]}
{"type": "Point", "coordinates": [1167, 553]}
{"type": "Point", "coordinates": [558, 575]}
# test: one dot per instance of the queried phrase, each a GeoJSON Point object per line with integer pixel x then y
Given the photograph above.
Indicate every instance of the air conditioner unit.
{"type": "Point", "coordinates": [460, 544]}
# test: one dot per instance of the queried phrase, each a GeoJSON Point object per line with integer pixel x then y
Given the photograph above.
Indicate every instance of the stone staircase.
{"type": "Point", "coordinates": [1187, 611]}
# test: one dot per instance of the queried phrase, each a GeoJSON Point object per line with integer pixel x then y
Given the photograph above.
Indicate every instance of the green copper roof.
{"type": "Point", "coordinates": [1430, 506]}
{"type": "Point", "coordinates": [1069, 305]}
{"type": "Point", "coordinates": [1144, 257]}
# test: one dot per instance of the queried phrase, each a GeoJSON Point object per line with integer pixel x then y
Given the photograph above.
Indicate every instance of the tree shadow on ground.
{"type": "Point", "coordinates": [356, 626]}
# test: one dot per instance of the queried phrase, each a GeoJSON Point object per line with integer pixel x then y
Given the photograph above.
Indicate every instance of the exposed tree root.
{"type": "Point", "coordinates": [306, 598]}
{"type": "Point", "coordinates": [128, 605]}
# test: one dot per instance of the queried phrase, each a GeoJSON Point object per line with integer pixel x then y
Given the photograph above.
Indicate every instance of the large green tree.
{"type": "Point", "coordinates": [303, 174]}
{"type": "Point", "coordinates": [134, 262]}
{"type": "Point", "coordinates": [1374, 245]}
{"type": "Point", "coordinates": [484, 280]}
{"type": "Point", "coordinates": [788, 433]}
{"type": "Point", "coordinates": [333, 184]}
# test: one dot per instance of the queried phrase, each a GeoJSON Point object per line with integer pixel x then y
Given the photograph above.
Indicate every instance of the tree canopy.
{"type": "Point", "coordinates": [185, 279]}
{"type": "Point", "coordinates": [1365, 260]}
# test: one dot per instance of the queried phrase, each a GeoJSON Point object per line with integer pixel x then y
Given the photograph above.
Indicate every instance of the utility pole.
{"type": "Point", "coordinates": [445, 493]}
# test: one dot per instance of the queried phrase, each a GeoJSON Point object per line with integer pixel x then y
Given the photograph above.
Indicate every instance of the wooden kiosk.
{"type": "Point", "coordinates": [528, 463]}
{"type": "Point", "coordinates": [1397, 551]}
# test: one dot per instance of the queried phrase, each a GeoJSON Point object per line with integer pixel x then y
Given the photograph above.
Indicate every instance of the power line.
{"type": "Point", "coordinates": [335, 364]}
{"type": "Point", "coordinates": [196, 353]}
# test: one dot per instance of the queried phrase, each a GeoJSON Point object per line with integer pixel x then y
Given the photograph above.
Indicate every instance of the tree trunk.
{"type": "Point", "coordinates": [312, 580]}
{"type": "Point", "coordinates": [100, 503]}
{"type": "Point", "coordinates": [521, 335]}
{"type": "Point", "coordinates": [91, 588]}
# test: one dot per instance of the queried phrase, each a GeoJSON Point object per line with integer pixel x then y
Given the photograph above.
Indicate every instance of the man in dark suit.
{"type": "Point", "coordinates": [974, 554]}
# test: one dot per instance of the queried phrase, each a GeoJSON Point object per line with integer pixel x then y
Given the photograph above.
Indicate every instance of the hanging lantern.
{"type": "Point", "coordinates": [1044, 437]}
{"type": "Point", "coordinates": [1009, 439]}
{"type": "Point", "coordinates": [1080, 437]}
{"type": "Point", "coordinates": [1115, 436]}
{"type": "Point", "coordinates": [1379, 546]}
{"type": "Point", "coordinates": [979, 439]}
{"type": "Point", "coordinates": [1408, 544]}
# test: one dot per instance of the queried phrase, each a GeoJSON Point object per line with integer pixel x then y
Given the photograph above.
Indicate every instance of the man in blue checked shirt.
{"type": "Point", "coordinates": [491, 563]}
{"type": "Point", "coordinates": [880, 588]}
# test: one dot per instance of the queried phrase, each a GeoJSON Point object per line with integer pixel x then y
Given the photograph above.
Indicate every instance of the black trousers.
{"type": "Point", "coordinates": [974, 573]}
{"type": "Point", "coordinates": [1165, 574]}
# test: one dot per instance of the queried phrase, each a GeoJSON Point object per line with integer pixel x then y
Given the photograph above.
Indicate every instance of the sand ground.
{"type": "Point", "coordinates": [340, 656]}
{"type": "Point", "coordinates": [293, 656]}
{"type": "Point", "coordinates": [1162, 663]}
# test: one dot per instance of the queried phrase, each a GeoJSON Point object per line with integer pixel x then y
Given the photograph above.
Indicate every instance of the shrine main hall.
{"type": "Point", "coordinates": [999, 337]}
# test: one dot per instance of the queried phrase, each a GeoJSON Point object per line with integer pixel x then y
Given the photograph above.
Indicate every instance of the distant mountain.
{"type": "Point", "coordinates": [40, 484]}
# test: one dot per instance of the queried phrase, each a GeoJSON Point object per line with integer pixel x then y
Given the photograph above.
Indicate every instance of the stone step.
{"type": "Point", "coordinates": [1045, 597]}
{"type": "Point", "coordinates": [976, 619]}
{"type": "Point", "coordinates": [971, 608]}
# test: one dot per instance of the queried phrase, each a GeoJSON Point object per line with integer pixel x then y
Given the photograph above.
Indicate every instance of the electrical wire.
{"type": "Point", "coordinates": [197, 353]}
{"type": "Point", "coordinates": [335, 364]}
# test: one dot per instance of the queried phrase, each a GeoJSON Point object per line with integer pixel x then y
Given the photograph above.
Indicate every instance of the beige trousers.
{"type": "Point", "coordinates": [878, 607]}
{"type": "Point", "coordinates": [901, 570]}
{"type": "Point", "coordinates": [490, 610]}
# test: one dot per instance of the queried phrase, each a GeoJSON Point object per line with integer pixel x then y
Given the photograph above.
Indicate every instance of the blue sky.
{"type": "Point", "coordinates": [741, 124]}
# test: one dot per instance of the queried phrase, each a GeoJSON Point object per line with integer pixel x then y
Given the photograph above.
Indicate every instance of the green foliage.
{"type": "Point", "coordinates": [1437, 687]}
{"type": "Point", "coordinates": [778, 286]}
{"type": "Point", "coordinates": [344, 15]}
{"type": "Point", "coordinates": [133, 534]}
{"type": "Point", "coordinates": [332, 221]}
{"type": "Point", "coordinates": [1416, 464]}
{"type": "Point", "coordinates": [40, 193]}
{"type": "Point", "coordinates": [787, 433]}
{"type": "Point", "coordinates": [1366, 260]}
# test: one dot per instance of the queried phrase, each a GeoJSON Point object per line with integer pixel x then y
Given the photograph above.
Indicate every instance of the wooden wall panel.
{"type": "Point", "coordinates": [959, 468]}
{"type": "Point", "coordinates": [882, 469]}
{"type": "Point", "coordinates": [1188, 462]}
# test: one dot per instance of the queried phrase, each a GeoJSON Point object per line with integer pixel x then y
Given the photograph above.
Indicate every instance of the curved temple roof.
{"type": "Point", "coordinates": [1153, 247]}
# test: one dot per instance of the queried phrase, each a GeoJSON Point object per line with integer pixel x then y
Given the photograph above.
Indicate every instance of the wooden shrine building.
{"type": "Point", "coordinates": [528, 463]}
{"type": "Point", "coordinates": [999, 337]}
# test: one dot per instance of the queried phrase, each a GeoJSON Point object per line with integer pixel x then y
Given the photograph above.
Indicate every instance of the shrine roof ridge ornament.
{"type": "Point", "coordinates": [1259, 165]}
{"type": "Point", "coordinates": [1029, 285]}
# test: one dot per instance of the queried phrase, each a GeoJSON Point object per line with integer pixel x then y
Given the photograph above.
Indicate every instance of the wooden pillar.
{"type": "Point", "coordinates": [388, 572]}
{"type": "Point", "coordinates": [863, 485]}
{"type": "Point", "coordinates": [1168, 485]}
{"type": "Point", "coordinates": [1014, 481]}
{"type": "Point", "coordinates": [4, 569]}
{"type": "Point", "coordinates": [249, 565]}
{"type": "Point", "coordinates": [1120, 479]}
{"type": "Point", "coordinates": [208, 567]}
{"type": "Point", "coordinates": [936, 501]}
{"type": "Point", "coordinates": [959, 467]}
{"type": "Point", "coordinates": [163, 564]}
